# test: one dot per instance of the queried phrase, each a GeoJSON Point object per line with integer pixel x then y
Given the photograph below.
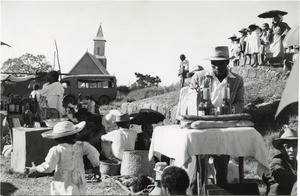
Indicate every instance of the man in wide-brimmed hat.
{"type": "Point", "coordinates": [123, 138]}
{"type": "Point", "coordinates": [220, 77]}
{"type": "Point", "coordinates": [283, 166]}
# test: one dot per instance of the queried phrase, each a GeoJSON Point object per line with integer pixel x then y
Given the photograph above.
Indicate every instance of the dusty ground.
{"type": "Point", "coordinates": [17, 184]}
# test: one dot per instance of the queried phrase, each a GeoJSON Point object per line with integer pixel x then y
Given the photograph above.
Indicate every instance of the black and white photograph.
{"type": "Point", "coordinates": [149, 97]}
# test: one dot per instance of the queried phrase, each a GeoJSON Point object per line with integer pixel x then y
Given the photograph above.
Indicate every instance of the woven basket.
{"type": "Point", "coordinates": [135, 163]}
{"type": "Point", "coordinates": [108, 167]}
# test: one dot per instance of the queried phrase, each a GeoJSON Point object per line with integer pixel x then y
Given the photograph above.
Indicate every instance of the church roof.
{"type": "Point", "coordinates": [99, 36]}
{"type": "Point", "coordinates": [98, 63]}
{"type": "Point", "coordinates": [95, 60]}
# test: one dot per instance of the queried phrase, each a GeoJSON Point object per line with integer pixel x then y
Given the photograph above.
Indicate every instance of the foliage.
{"type": "Point", "coordinates": [147, 80]}
{"type": "Point", "coordinates": [27, 63]}
{"type": "Point", "coordinates": [143, 93]}
{"type": "Point", "coordinates": [123, 89]}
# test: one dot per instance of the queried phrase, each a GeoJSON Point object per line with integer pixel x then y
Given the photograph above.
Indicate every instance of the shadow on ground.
{"type": "Point", "coordinates": [7, 188]}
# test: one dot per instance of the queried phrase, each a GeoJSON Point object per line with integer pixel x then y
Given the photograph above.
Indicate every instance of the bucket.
{"type": "Point", "coordinates": [135, 163]}
{"type": "Point", "coordinates": [108, 167]}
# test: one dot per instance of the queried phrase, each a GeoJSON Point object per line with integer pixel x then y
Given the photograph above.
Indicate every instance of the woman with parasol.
{"type": "Point", "coordinates": [279, 29]}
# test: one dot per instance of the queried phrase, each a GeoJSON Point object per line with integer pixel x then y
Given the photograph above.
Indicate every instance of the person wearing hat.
{"type": "Point", "coordinates": [183, 69]}
{"type": "Point", "coordinates": [123, 138]}
{"type": "Point", "coordinates": [255, 45]}
{"type": "Point", "coordinates": [66, 159]}
{"type": "Point", "coordinates": [236, 52]}
{"type": "Point", "coordinates": [283, 166]}
{"type": "Point", "coordinates": [279, 30]}
{"type": "Point", "coordinates": [187, 97]}
{"type": "Point", "coordinates": [221, 77]}
{"type": "Point", "coordinates": [265, 37]}
{"type": "Point", "coordinates": [232, 45]}
{"type": "Point", "coordinates": [243, 36]}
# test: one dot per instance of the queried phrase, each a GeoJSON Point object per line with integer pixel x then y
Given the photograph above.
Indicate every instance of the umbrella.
{"type": "Point", "coordinates": [146, 116]}
{"type": "Point", "coordinates": [292, 37]}
{"type": "Point", "coordinates": [272, 13]}
{"type": "Point", "coordinates": [291, 90]}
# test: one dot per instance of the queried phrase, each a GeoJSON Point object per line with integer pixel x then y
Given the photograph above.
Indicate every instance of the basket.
{"type": "Point", "coordinates": [108, 167]}
{"type": "Point", "coordinates": [135, 163]}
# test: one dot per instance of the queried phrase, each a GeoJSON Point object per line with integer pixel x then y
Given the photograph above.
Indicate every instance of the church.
{"type": "Point", "coordinates": [95, 63]}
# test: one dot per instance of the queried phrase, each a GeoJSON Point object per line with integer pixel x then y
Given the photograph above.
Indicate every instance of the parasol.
{"type": "Point", "coordinates": [146, 116]}
{"type": "Point", "coordinates": [272, 13]}
{"type": "Point", "coordinates": [291, 90]}
{"type": "Point", "coordinates": [292, 37]}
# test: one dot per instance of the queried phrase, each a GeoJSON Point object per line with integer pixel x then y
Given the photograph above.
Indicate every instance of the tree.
{"type": "Point", "coordinates": [123, 89]}
{"type": "Point", "coordinates": [27, 63]}
{"type": "Point", "coordinates": [147, 80]}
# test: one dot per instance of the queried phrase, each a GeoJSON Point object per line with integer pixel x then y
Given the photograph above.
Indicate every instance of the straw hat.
{"type": "Point", "coordinates": [286, 135]}
{"type": "Point", "coordinates": [63, 129]}
{"type": "Point", "coordinates": [219, 53]}
{"type": "Point", "coordinates": [233, 36]}
{"type": "Point", "coordinates": [243, 30]}
{"type": "Point", "coordinates": [122, 118]}
{"type": "Point", "coordinates": [110, 117]}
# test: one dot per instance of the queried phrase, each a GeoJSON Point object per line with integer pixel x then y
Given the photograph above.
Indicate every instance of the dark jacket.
{"type": "Point", "coordinates": [282, 176]}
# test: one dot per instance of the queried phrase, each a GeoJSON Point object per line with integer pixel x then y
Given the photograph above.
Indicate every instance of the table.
{"type": "Point", "coordinates": [29, 146]}
{"type": "Point", "coordinates": [183, 143]}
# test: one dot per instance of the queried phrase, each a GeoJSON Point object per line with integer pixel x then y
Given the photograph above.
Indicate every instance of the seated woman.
{"type": "Point", "coordinates": [283, 167]}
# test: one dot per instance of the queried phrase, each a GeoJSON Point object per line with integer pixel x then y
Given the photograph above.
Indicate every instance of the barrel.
{"type": "Point", "coordinates": [135, 163]}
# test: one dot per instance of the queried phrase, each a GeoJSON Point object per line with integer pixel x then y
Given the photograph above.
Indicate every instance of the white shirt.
{"type": "Point", "coordinates": [54, 94]}
{"type": "Point", "coordinates": [122, 139]}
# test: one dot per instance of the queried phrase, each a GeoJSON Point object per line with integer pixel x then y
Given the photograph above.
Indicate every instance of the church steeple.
{"type": "Point", "coordinates": [99, 47]}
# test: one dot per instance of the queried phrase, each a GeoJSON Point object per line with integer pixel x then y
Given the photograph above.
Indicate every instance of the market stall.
{"type": "Point", "coordinates": [183, 143]}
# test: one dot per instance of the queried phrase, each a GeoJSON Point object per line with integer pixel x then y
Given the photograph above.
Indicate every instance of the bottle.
{"type": "Point", "coordinates": [226, 107]}
{"type": "Point", "coordinates": [201, 111]}
{"type": "Point", "coordinates": [159, 167]}
{"type": "Point", "coordinates": [17, 104]}
{"type": "Point", "coordinates": [11, 105]}
{"type": "Point", "coordinates": [27, 116]}
{"type": "Point", "coordinates": [208, 106]}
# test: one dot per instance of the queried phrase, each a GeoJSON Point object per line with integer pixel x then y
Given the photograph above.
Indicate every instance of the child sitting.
{"type": "Point", "coordinates": [67, 160]}
{"type": "Point", "coordinates": [123, 138]}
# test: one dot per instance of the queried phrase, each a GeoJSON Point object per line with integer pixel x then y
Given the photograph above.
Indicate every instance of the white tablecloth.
{"type": "Point", "coordinates": [182, 143]}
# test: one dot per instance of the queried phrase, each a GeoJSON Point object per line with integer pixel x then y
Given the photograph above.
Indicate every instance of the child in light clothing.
{"type": "Point", "coordinates": [67, 160]}
{"type": "Point", "coordinates": [123, 138]}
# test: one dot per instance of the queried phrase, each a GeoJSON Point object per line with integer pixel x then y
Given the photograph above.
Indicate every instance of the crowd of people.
{"type": "Point", "coordinates": [262, 45]}
{"type": "Point", "coordinates": [87, 136]}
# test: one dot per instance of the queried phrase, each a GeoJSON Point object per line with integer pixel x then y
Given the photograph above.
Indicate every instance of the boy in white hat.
{"type": "Point", "coordinates": [67, 160]}
{"type": "Point", "coordinates": [123, 138]}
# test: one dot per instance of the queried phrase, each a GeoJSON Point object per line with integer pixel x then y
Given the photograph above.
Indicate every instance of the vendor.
{"type": "Point", "coordinates": [221, 76]}
{"type": "Point", "coordinates": [283, 167]}
{"type": "Point", "coordinates": [53, 91]}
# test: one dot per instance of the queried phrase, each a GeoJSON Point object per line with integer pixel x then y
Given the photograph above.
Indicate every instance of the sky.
{"type": "Point", "coordinates": [141, 36]}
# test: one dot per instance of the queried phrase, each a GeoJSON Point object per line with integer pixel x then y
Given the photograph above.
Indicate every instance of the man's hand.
{"type": "Point", "coordinates": [30, 170]}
